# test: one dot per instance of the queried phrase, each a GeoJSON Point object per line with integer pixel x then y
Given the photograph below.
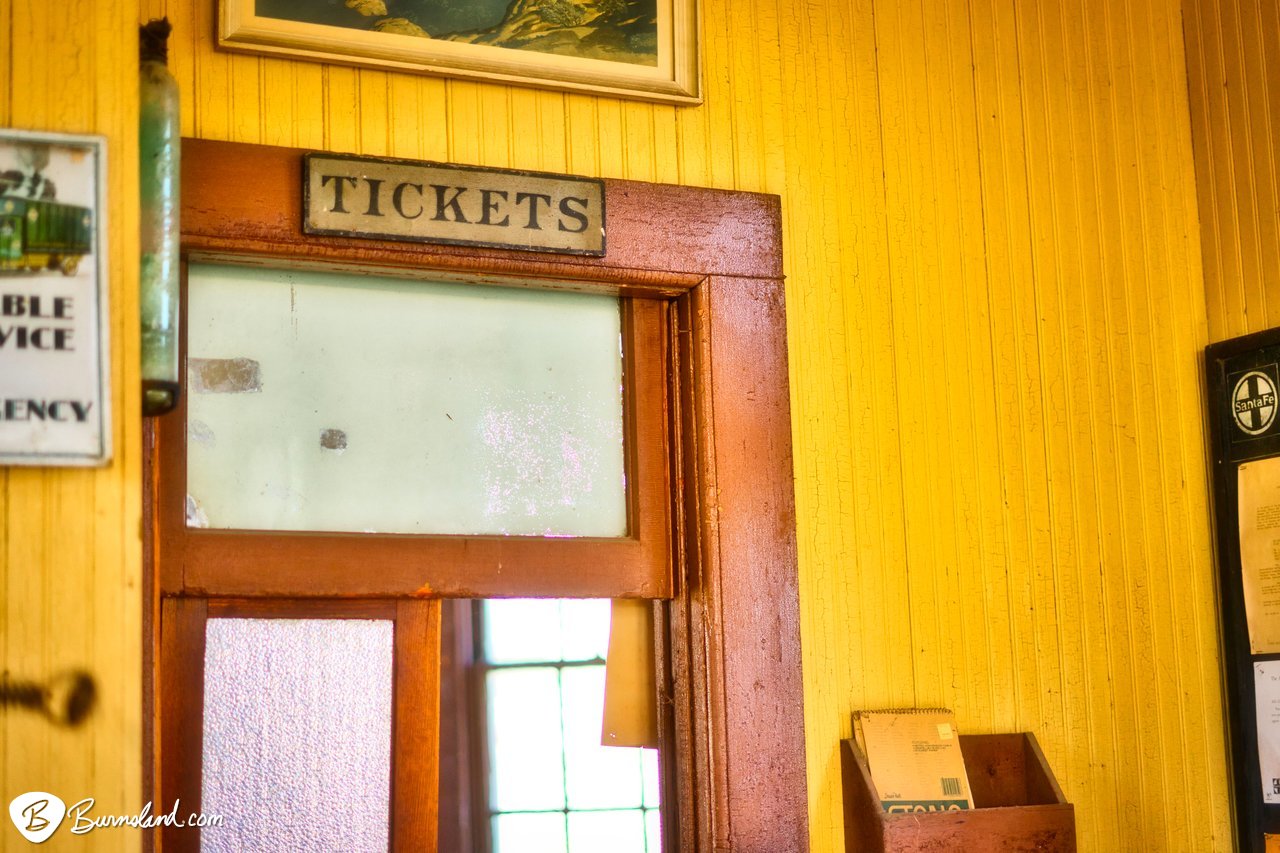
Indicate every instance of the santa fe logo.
{"type": "Point", "coordinates": [1253, 402]}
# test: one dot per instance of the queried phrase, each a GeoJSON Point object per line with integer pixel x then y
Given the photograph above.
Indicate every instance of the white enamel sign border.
{"type": "Point", "coordinates": [55, 398]}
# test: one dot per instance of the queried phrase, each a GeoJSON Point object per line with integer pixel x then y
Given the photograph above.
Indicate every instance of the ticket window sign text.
{"type": "Point", "coordinates": [429, 202]}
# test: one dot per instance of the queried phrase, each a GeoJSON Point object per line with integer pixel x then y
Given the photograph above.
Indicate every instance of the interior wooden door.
{"type": "Point", "coordinates": [310, 723]}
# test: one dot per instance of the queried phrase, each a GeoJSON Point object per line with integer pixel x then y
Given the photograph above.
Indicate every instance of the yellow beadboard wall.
{"type": "Point", "coordinates": [996, 310]}
{"type": "Point", "coordinates": [70, 545]}
{"type": "Point", "coordinates": [1233, 76]}
{"type": "Point", "coordinates": [996, 313]}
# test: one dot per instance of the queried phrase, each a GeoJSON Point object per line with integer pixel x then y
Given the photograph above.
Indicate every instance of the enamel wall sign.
{"type": "Point", "coordinates": [54, 395]}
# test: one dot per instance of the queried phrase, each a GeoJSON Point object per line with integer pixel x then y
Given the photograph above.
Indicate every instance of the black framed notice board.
{"type": "Point", "coordinates": [1244, 400]}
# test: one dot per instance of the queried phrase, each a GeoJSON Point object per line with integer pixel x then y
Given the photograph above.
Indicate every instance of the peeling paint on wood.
{"type": "Point", "coordinates": [333, 439]}
{"type": "Point", "coordinates": [224, 375]}
{"type": "Point", "coordinates": [199, 432]}
{"type": "Point", "coordinates": [195, 513]}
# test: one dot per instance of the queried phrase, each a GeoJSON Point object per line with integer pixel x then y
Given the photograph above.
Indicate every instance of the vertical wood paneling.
{"type": "Point", "coordinates": [309, 124]}
{"type": "Point", "coordinates": [1232, 51]}
{"type": "Point", "coordinates": [279, 98]}
{"type": "Point", "coordinates": [999, 451]}
{"type": "Point", "coordinates": [1233, 76]}
{"type": "Point", "coordinates": [70, 554]}
{"type": "Point", "coordinates": [995, 310]}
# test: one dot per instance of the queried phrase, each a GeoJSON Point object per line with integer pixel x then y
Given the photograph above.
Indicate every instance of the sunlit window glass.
{"type": "Point", "coordinates": [552, 786]}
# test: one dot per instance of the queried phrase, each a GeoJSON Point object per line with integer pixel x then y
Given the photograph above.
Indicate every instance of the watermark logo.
{"type": "Point", "coordinates": [37, 814]}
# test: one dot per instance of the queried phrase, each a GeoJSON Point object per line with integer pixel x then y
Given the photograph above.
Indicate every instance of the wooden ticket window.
{"type": "Point", "coordinates": [712, 527]}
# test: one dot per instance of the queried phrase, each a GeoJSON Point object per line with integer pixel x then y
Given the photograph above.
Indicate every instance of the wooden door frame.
{"type": "Point", "coordinates": [729, 639]}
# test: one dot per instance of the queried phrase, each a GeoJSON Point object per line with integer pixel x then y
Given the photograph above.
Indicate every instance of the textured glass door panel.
{"type": "Point", "coordinates": [341, 402]}
{"type": "Point", "coordinates": [297, 734]}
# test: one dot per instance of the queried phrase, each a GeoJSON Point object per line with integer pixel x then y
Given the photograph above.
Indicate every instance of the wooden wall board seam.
{"type": "Point", "coordinates": [1144, 781]}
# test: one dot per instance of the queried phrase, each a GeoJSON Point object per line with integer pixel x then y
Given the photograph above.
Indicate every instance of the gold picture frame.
{"type": "Point", "coordinates": [643, 49]}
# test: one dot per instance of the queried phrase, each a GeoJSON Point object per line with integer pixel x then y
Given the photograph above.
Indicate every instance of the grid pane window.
{"type": "Point", "coordinates": [552, 786]}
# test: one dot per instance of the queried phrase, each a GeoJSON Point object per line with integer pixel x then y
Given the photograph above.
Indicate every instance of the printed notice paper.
{"type": "Point", "coordinates": [1259, 514]}
{"type": "Point", "coordinates": [1266, 689]}
{"type": "Point", "coordinates": [914, 758]}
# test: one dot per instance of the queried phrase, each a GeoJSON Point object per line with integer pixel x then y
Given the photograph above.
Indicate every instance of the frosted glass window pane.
{"type": "Point", "coordinates": [597, 776]}
{"type": "Point", "coordinates": [528, 630]}
{"type": "Point", "coordinates": [616, 832]}
{"type": "Point", "coordinates": [531, 833]}
{"type": "Point", "coordinates": [297, 734]}
{"type": "Point", "coordinates": [342, 402]}
{"type": "Point", "coordinates": [527, 771]}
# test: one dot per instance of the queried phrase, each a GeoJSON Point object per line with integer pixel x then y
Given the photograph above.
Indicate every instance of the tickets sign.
{"type": "Point", "coordinates": [430, 202]}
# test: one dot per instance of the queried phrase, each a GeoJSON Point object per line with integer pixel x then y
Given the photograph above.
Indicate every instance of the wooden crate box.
{"type": "Point", "coordinates": [1018, 806]}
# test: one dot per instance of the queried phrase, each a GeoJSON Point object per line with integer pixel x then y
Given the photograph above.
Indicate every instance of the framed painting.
{"type": "Point", "coordinates": [643, 49]}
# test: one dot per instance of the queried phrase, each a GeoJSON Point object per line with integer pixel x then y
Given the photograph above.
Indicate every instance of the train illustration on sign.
{"type": "Point", "coordinates": [37, 232]}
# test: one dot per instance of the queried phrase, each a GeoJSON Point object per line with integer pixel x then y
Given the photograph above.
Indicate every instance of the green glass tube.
{"type": "Point", "coordinates": [159, 175]}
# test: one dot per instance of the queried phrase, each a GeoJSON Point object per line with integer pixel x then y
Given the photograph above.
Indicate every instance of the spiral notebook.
{"type": "Point", "coordinates": [914, 758]}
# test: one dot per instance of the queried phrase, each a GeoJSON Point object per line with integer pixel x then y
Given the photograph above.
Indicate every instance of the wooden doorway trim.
{"type": "Point", "coordinates": [730, 636]}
